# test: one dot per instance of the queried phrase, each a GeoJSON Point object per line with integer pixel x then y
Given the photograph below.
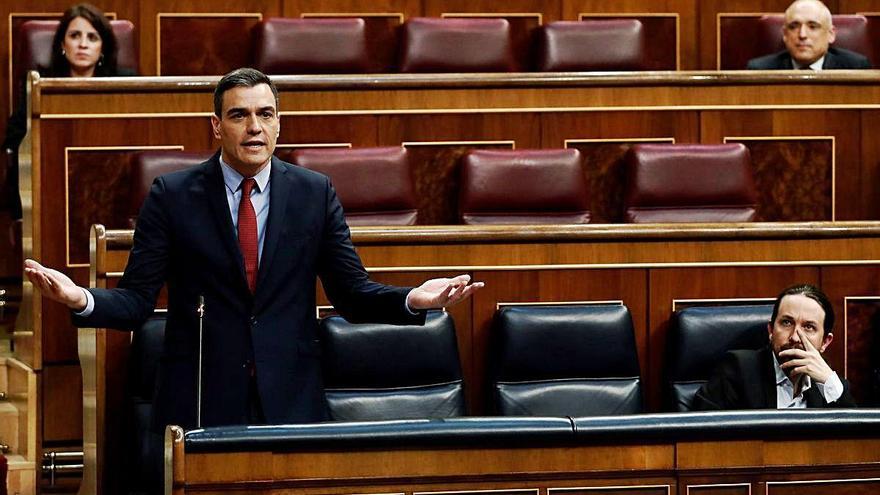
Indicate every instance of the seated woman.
{"type": "Point", "coordinates": [83, 46]}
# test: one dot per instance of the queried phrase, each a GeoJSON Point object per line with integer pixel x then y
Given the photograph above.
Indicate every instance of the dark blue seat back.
{"type": "Point", "coordinates": [574, 360]}
{"type": "Point", "coordinates": [381, 372]}
{"type": "Point", "coordinates": [699, 337]}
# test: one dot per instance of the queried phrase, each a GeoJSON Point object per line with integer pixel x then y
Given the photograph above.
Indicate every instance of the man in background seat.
{"type": "Point", "coordinates": [790, 373]}
{"type": "Point", "coordinates": [808, 33]}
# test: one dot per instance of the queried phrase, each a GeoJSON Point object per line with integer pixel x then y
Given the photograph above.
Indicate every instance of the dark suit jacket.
{"type": "Point", "coordinates": [835, 59]}
{"type": "Point", "coordinates": [745, 379]}
{"type": "Point", "coordinates": [185, 238]}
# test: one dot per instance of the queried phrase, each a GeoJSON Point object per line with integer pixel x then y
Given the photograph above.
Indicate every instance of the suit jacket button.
{"type": "Point", "coordinates": [253, 321]}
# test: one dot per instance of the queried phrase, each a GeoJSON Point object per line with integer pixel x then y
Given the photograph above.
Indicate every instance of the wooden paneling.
{"type": "Point", "coordinates": [225, 43]}
{"type": "Point", "coordinates": [798, 125]}
{"type": "Point", "coordinates": [719, 489]}
{"type": "Point", "coordinates": [685, 10]}
{"type": "Point", "coordinates": [149, 23]}
{"type": "Point", "coordinates": [821, 487]}
{"type": "Point", "coordinates": [296, 8]}
{"type": "Point", "coordinates": [62, 403]}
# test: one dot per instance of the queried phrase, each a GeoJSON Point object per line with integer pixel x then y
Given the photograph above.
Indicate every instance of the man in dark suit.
{"type": "Point", "coordinates": [249, 233]}
{"type": "Point", "coordinates": [808, 33]}
{"type": "Point", "coordinates": [791, 372]}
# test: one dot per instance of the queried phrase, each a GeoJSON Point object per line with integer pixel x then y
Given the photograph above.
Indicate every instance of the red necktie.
{"type": "Point", "coordinates": [247, 232]}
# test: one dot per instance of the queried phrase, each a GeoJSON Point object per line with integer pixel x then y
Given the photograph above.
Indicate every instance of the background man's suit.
{"type": "Point", "coordinates": [746, 379]}
{"type": "Point", "coordinates": [185, 236]}
{"type": "Point", "coordinates": [835, 59]}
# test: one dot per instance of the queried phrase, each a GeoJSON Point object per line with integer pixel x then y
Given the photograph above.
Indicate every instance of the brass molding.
{"type": "Point", "coordinates": [160, 15]}
{"type": "Point", "coordinates": [312, 15]}
{"type": "Point", "coordinates": [720, 485]}
{"type": "Point", "coordinates": [712, 301]}
{"type": "Point", "coordinates": [493, 15]}
{"type": "Point", "coordinates": [670, 140]}
{"type": "Point", "coordinates": [67, 150]}
{"type": "Point", "coordinates": [833, 140]}
{"type": "Point", "coordinates": [313, 145]}
{"type": "Point", "coordinates": [768, 483]}
{"type": "Point", "coordinates": [551, 491]}
{"type": "Point", "coordinates": [510, 142]}
{"type": "Point", "coordinates": [675, 15]}
{"type": "Point", "coordinates": [505, 304]}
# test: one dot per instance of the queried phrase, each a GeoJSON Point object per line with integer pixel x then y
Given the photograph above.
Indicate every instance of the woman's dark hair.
{"type": "Point", "coordinates": [59, 66]}
{"type": "Point", "coordinates": [813, 293]}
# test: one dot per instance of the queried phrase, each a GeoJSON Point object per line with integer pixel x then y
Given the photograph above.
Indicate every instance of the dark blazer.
{"type": "Point", "coordinates": [185, 238]}
{"type": "Point", "coordinates": [835, 59]}
{"type": "Point", "coordinates": [745, 379]}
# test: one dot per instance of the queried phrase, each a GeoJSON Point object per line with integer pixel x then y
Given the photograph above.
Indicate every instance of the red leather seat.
{"type": "Point", "coordinates": [456, 45]}
{"type": "Point", "coordinates": [524, 187]}
{"type": "Point", "coordinates": [374, 185]}
{"type": "Point", "coordinates": [311, 46]}
{"type": "Point", "coordinates": [600, 45]}
{"type": "Point", "coordinates": [743, 39]}
{"type": "Point", "coordinates": [668, 183]}
{"type": "Point", "coordinates": [147, 165]}
{"type": "Point", "coordinates": [32, 48]}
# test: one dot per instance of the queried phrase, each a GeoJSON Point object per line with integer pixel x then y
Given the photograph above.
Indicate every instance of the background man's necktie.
{"type": "Point", "coordinates": [247, 232]}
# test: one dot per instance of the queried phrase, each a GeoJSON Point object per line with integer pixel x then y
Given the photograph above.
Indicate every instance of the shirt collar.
{"type": "Point", "coordinates": [817, 65]}
{"type": "Point", "coordinates": [781, 377]}
{"type": "Point", "coordinates": [233, 179]}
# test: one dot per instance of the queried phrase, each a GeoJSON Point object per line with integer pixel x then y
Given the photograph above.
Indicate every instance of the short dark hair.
{"type": "Point", "coordinates": [59, 66]}
{"type": "Point", "coordinates": [813, 293]}
{"type": "Point", "coordinates": [244, 77]}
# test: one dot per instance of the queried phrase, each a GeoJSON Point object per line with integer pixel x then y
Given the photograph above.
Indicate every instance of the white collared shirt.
{"type": "Point", "coordinates": [832, 389]}
{"type": "Point", "coordinates": [817, 65]}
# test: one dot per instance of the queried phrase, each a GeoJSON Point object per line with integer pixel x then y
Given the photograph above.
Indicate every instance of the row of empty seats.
{"type": "Point", "coordinates": [562, 360]}
{"type": "Point", "coordinates": [349, 45]}
{"type": "Point", "coordinates": [665, 183]}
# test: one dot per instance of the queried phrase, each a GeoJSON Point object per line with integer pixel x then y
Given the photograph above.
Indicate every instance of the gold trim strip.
{"type": "Point", "coordinates": [502, 490]}
{"type": "Point", "coordinates": [722, 300]}
{"type": "Point", "coordinates": [438, 111]}
{"type": "Point", "coordinates": [805, 138]}
{"type": "Point", "coordinates": [719, 485]}
{"type": "Point", "coordinates": [67, 150]}
{"type": "Point", "coordinates": [767, 484]}
{"type": "Point", "coordinates": [492, 15]}
{"type": "Point", "coordinates": [670, 140]}
{"type": "Point", "coordinates": [308, 15]}
{"type": "Point", "coordinates": [675, 15]}
{"type": "Point", "coordinates": [313, 145]}
{"type": "Point", "coordinates": [551, 491]}
{"type": "Point", "coordinates": [160, 15]}
{"type": "Point", "coordinates": [404, 144]}
{"type": "Point", "coordinates": [504, 304]}
{"type": "Point", "coordinates": [604, 266]}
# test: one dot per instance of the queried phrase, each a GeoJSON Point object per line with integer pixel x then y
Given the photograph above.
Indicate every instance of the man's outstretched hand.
{"type": "Point", "coordinates": [55, 285]}
{"type": "Point", "coordinates": [441, 292]}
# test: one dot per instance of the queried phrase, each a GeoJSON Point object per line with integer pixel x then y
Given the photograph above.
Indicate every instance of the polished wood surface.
{"type": "Point", "coordinates": [724, 467]}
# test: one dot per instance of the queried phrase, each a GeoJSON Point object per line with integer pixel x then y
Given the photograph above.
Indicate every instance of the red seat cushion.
{"type": "Point", "coordinates": [689, 183]}
{"type": "Point", "coordinates": [147, 165]}
{"type": "Point", "coordinates": [374, 185]}
{"type": "Point", "coordinates": [523, 187]}
{"type": "Point", "coordinates": [601, 45]}
{"type": "Point", "coordinates": [311, 46]}
{"type": "Point", "coordinates": [456, 45]}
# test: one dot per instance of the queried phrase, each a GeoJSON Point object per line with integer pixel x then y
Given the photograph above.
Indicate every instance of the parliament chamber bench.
{"type": "Point", "coordinates": [809, 136]}
{"type": "Point", "coordinates": [737, 452]}
{"type": "Point", "coordinates": [654, 270]}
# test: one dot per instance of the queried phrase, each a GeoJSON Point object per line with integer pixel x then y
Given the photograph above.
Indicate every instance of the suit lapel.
{"type": "Point", "coordinates": [215, 190]}
{"type": "Point", "coordinates": [768, 378]}
{"type": "Point", "coordinates": [279, 191]}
